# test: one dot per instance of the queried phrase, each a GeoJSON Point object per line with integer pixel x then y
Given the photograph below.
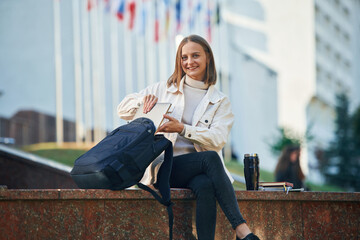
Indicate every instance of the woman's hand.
{"type": "Point", "coordinates": [149, 102]}
{"type": "Point", "coordinates": [173, 125]}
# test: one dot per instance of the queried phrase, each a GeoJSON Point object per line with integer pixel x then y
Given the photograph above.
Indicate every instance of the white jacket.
{"type": "Point", "coordinates": [211, 124]}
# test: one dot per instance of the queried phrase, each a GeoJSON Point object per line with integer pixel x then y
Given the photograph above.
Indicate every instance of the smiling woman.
{"type": "Point", "coordinates": [194, 51]}
{"type": "Point", "coordinates": [198, 125]}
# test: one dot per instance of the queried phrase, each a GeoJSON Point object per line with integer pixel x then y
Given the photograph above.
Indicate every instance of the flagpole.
{"type": "Point", "coordinates": [87, 74]}
{"type": "Point", "coordinates": [147, 40]}
{"type": "Point", "coordinates": [78, 73]}
{"type": "Point", "coordinates": [102, 102]}
{"type": "Point", "coordinates": [58, 74]}
{"type": "Point", "coordinates": [128, 58]}
{"type": "Point", "coordinates": [141, 48]}
{"type": "Point", "coordinates": [114, 41]}
{"type": "Point", "coordinates": [157, 42]}
{"type": "Point", "coordinates": [169, 41]}
{"type": "Point", "coordinates": [121, 36]}
{"type": "Point", "coordinates": [150, 48]}
{"type": "Point", "coordinates": [95, 73]}
{"type": "Point", "coordinates": [224, 80]}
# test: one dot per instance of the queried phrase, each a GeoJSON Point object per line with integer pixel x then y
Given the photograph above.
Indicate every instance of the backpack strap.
{"type": "Point", "coordinates": [163, 183]}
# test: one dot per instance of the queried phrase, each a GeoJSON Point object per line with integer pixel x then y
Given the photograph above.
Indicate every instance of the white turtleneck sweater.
{"type": "Point", "coordinates": [194, 91]}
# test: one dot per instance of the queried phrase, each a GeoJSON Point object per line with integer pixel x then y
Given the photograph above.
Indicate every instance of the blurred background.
{"type": "Point", "coordinates": [291, 69]}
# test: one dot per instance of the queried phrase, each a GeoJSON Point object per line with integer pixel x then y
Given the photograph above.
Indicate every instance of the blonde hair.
{"type": "Point", "coordinates": [210, 73]}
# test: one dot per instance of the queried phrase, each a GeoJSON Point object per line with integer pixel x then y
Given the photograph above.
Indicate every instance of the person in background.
{"type": "Point", "coordinates": [198, 125]}
{"type": "Point", "coordinates": [288, 167]}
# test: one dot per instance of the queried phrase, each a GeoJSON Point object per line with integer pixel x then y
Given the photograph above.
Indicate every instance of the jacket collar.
{"type": "Point", "coordinates": [174, 89]}
{"type": "Point", "coordinates": [212, 94]}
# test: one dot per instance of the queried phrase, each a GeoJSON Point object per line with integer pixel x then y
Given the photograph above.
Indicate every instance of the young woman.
{"type": "Point", "coordinates": [288, 168]}
{"type": "Point", "coordinates": [198, 124]}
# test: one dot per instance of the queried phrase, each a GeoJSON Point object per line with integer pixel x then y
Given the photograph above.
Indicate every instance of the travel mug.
{"type": "Point", "coordinates": [251, 171]}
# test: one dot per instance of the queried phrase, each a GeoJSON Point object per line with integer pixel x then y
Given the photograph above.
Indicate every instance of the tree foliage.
{"type": "Point", "coordinates": [287, 136]}
{"type": "Point", "coordinates": [339, 163]}
{"type": "Point", "coordinates": [356, 130]}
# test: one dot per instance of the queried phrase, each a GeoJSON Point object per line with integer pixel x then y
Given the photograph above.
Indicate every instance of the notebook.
{"type": "Point", "coordinates": [156, 113]}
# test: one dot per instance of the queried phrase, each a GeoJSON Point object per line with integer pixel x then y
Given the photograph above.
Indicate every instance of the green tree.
{"type": "Point", "coordinates": [287, 136]}
{"type": "Point", "coordinates": [356, 130]}
{"type": "Point", "coordinates": [339, 163]}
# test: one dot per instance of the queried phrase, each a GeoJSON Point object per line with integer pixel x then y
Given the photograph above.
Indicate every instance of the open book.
{"type": "Point", "coordinates": [276, 184]}
{"type": "Point", "coordinates": [156, 113]}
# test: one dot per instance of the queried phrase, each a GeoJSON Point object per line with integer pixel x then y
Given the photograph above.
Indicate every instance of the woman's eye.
{"type": "Point", "coordinates": [196, 55]}
{"type": "Point", "coordinates": [184, 58]}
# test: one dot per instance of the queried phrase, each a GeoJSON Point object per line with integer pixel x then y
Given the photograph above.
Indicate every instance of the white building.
{"type": "Point", "coordinates": [253, 83]}
{"type": "Point", "coordinates": [314, 47]}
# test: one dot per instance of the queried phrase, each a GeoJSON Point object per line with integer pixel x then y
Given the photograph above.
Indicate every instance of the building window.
{"type": "Point", "coordinates": [327, 19]}
{"type": "Point", "coordinates": [328, 78]}
{"type": "Point", "coordinates": [347, 65]}
{"type": "Point", "coordinates": [346, 38]}
{"type": "Point", "coordinates": [328, 50]}
{"type": "Point", "coordinates": [318, 43]}
{"type": "Point", "coordinates": [318, 72]}
{"type": "Point", "coordinates": [337, 58]}
{"type": "Point", "coordinates": [346, 12]}
{"type": "Point", "coordinates": [317, 10]}
{"type": "Point", "coordinates": [339, 86]}
{"type": "Point", "coordinates": [337, 31]}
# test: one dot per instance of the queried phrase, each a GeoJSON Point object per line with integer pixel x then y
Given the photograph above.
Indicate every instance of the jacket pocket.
{"type": "Point", "coordinates": [205, 121]}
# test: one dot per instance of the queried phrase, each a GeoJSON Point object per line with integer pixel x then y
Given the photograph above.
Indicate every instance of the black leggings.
{"type": "Point", "coordinates": [204, 174]}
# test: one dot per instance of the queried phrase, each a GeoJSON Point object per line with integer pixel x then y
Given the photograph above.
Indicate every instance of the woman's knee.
{"type": "Point", "coordinates": [202, 185]}
{"type": "Point", "coordinates": [213, 158]}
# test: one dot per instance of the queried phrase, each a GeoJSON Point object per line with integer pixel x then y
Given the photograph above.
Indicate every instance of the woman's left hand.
{"type": "Point", "coordinates": [173, 125]}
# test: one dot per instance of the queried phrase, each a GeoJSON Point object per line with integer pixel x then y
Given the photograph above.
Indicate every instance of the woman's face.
{"type": "Point", "coordinates": [193, 60]}
{"type": "Point", "coordinates": [294, 156]}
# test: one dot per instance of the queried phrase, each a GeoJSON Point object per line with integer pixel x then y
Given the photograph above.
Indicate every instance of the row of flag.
{"type": "Point", "coordinates": [101, 45]}
{"type": "Point", "coordinates": [176, 13]}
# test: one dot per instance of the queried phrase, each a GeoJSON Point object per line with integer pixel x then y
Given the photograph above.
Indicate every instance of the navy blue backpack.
{"type": "Point", "coordinates": [119, 161]}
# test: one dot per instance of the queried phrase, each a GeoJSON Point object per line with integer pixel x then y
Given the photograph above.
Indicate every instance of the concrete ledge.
{"type": "Point", "coordinates": [181, 194]}
{"type": "Point", "coordinates": [134, 214]}
{"type": "Point", "coordinates": [21, 170]}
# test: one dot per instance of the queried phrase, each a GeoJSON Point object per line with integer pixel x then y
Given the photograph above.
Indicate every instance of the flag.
{"type": "Point", "coordinates": [121, 10]}
{"type": "Point", "coordinates": [89, 5]}
{"type": "Point", "coordinates": [167, 21]}
{"type": "Point", "coordinates": [198, 7]}
{"type": "Point", "coordinates": [107, 6]}
{"type": "Point", "coordinates": [132, 11]}
{"type": "Point", "coordinates": [208, 22]}
{"type": "Point", "coordinates": [191, 18]}
{"type": "Point", "coordinates": [143, 18]}
{"type": "Point", "coordinates": [167, 16]}
{"type": "Point", "coordinates": [197, 11]}
{"type": "Point", "coordinates": [156, 22]}
{"type": "Point", "coordinates": [217, 14]}
{"type": "Point", "coordinates": [178, 15]}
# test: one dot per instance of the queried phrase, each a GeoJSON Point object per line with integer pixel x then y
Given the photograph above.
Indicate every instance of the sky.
{"type": "Point", "coordinates": [27, 65]}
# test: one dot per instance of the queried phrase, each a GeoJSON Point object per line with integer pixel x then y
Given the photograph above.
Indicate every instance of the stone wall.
{"type": "Point", "coordinates": [134, 214]}
{"type": "Point", "coordinates": [21, 170]}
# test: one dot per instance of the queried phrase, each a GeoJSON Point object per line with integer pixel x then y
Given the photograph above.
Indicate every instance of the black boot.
{"type": "Point", "coordinates": [250, 236]}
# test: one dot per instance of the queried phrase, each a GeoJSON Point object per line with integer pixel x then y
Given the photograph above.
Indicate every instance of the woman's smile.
{"type": "Point", "coordinates": [193, 60]}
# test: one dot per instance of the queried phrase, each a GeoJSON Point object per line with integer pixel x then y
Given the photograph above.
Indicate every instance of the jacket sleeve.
{"type": "Point", "coordinates": [131, 103]}
{"type": "Point", "coordinates": [215, 135]}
